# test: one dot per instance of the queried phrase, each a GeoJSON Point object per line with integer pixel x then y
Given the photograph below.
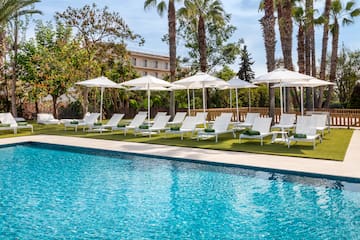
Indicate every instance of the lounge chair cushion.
{"type": "Point", "coordinates": [209, 130]}
{"type": "Point", "coordinates": [299, 135]}
{"type": "Point", "coordinates": [251, 132]}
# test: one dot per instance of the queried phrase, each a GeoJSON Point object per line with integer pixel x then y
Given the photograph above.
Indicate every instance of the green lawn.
{"type": "Point", "coordinates": [333, 147]}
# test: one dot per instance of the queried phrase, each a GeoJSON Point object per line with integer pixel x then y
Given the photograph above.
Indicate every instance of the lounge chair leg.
{"type": "Point", "coordinates": [261, 141]}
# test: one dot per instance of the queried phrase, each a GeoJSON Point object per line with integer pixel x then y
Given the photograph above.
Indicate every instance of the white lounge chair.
{"type": "Point", "coordinates": [220, 126]}
{"type": "Point", "coordinates": [158, 126]}
{"type": "Point", "coordinates": [8, 122]}
{"type": "Point", "coordinates": [187, 126]}
{"type": "Point", "coordinates": [113, 122]}
{"type": "Point", "coordinates": [259, 130]}
{"type": "Point", "coordinates": [287, 121]}
{"type": "Point", "coordinates": [320, 121]}
{"type": "Point", "coordinates": [46, 118]}
{"type": "Point", "coordinates": [87, 121]}
{"type": "Point", "coordinates": [135, 123]}
{"type": "Point", "coordinates": [249, 121]}
{"type": "Point", "coordinates": [178, 119]}
{"type": "Point", "coordinates": [201, 118]}
{"type": "Point", "coordinates": [305, 131]}
{"type": "Point", "coordinates": [158, 114]}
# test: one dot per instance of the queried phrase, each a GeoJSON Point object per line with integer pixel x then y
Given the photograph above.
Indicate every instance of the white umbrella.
{"type": "Point", "coordinates": [281, 75]}
{"type": "Point", "coordinates": [313, 82]}
{"type": "Point", "coordinates": [201, 80]}
{"type": "Point", "coordinates": [102, 83]}
{"type": "Point", "coordinates": [148, 82]}
{"type": "Point", "coordinates": [236, 83]}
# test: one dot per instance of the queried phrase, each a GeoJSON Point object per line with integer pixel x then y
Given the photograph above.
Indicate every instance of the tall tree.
{"type": "Point", "coordinates": [339, 14]}
{"type": "Point", "coordinates": [284, 11]}
{"type": "Point", "coordinates": [268, 26]}
{"type": "Point", "coordinates": [93, 26]}
{"type": "Point", "coordinates": [197, 13]}
{"type": "Point", "coordinates": [325, 19]}
{"type": "Point", "coordinates": [10, 9]}
{"type": "Point", "coordinates": [310, 67]}
{"type": "Point", "coordinates": [245, 72]}
{"type": "Point", "coordinates": [161, 7]}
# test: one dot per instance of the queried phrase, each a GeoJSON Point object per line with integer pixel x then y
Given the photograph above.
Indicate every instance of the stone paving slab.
{"type": "Point", "coordinates": [350, 167]}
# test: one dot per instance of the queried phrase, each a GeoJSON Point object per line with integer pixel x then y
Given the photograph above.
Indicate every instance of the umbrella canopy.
{"type": "Point", "coordinates": [147, 82]}
{"type": "Point", "coordinates": [281, 75]}
{"type": "Point", "coordinates": [313, 82]}
{"type": "Point", "coordinates": [201, 80]}
{"type": "Point", "coordinates": [100, 82]}
{"type": "Point", "coordinates": [236, 83]}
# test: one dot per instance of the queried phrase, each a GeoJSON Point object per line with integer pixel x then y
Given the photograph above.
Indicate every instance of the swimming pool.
{"type": "Point", "coordinates": [50, 191]}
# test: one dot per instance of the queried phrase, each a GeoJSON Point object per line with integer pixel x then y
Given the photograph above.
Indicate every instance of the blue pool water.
{"type": "Point", "coordinates": [51, 192]}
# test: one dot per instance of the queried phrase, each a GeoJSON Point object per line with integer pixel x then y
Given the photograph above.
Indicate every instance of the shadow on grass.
{"type": "Point", "coordinates": [333, 147]}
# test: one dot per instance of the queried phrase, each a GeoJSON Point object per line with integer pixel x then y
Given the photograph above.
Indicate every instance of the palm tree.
{"type": "Point", "coordinates": [284, 11]}
{"type": "Point", "coordinates": [198, 13]}
{"type": "Point", "coordinates": [11, 9]}
{"type": "Point", "coordinates": [161, 7]}
{"type": "Point", "coordinates": [268, 25]}
{"type": "Point", "coordinates": [344, 14]}
{"type": "Point", "coordinates": [325, 39]}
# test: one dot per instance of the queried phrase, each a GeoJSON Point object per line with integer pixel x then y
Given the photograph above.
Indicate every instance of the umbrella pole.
{"type": "Point", "coordinates": [249, 99]}
{"type": "Point", "coordinates": [148, 93]}
{"type": "Point", "coordinates": [281, 101]}
{"type": "Point", "coordinates": [302, 100]}
{"type": "Point", "coordinates": [237, 105]}
{"type": "Point", "coordinates": [313, 99]}
{"type": "Point", "coordinates": [230, 98]}
{"type": "Point", "coordinates": [203, 98]}
{"type": "Point", "coordinates": [188, 102]}
{"type": "Point", "coordinates": [101, 101]}
{"type": "Point", "coordinates": [193, 92]}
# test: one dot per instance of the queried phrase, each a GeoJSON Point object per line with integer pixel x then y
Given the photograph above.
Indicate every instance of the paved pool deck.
{"type": "Point", "coordinates": [349, 168]}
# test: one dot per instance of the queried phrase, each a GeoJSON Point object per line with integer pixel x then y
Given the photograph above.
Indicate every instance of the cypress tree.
{"type": "Point", "coordinates": [245, 72]}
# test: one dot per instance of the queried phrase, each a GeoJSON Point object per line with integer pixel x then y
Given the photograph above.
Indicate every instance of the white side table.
{"type": "Point", "coordinates": [283, 136]}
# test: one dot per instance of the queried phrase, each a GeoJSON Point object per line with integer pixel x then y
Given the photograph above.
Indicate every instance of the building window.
{"type": "Point", "coordinates": [166, 65]}
{"type": "Point", "coordinates": [134, 61]}
{"type": "Point", "coordinates": [145, 73]}
{"type": "Point", "coordinates": [156, 64]}
{"type": "Point", "coordinates": [145, 63]}
{"type": "Point", "coordinates": [156, 74]}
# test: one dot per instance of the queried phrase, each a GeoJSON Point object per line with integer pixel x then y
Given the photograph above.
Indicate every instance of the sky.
{"type": "Point", "coordinates": [152, 27]}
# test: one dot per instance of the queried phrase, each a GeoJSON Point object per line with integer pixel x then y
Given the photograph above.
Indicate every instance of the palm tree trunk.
{"type": "Point", "coordinates": [14, 76]}
{"type": "Point", "coordinates": [301, 48]}
{"type": "Point", "coordinates": [333, 64]}
{"type": "Point", "coordinates": [309, 69]}
{"type": "Point", "coordinates": [202, 44]}
{"type": "Point", "coordinates": [325, 40]}
{"type": "Point", "coordinates": [172, 51]}
{"type": "Point", "coordinates": [268, 26]}
{"type": "Point", "coordinates": [286, 30]}
{"type": "Point", "coordinates": [202, 52]}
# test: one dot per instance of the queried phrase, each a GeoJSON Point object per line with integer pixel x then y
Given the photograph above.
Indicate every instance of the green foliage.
{"type": "Point", "coordinates": [354, 101]}
{"type": "Point", "coordinates": [226, 73]}
{"type": "Point", "coordinates": [245, 72]}
{"type": "Point", "coordinates": [218, 32]}
{"type": "Point", "coordinates": [347, 73]}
